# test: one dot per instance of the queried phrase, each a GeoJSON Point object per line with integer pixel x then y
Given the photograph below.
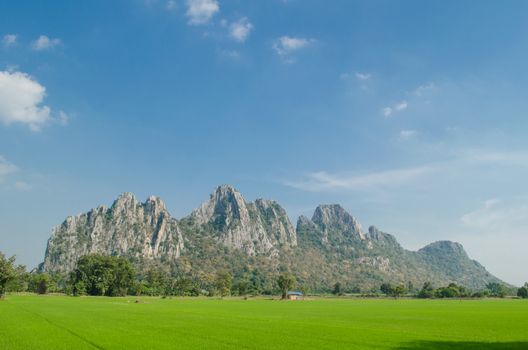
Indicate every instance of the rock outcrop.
{"type": "Point", "coordinates": [143, 231]}
{"type": "Point", "coordinates": [259, 228]}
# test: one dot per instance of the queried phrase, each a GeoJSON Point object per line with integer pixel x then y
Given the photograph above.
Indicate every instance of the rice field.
{"type": "Point", "coordinates": [61, 322]}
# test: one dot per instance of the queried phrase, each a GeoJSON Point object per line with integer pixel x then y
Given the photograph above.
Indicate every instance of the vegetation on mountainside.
{"type": "Point", "coordinates": [100, 275]}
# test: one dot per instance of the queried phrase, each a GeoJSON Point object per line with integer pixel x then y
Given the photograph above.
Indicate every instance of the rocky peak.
{"type": "Point", "coordinates": [446, 248]}
{"type": "Point", "coordinates": [334, 219]}
{"type": "Point", "coordinates": [154, 207]}
{"type": "Point", "coordinates": [375, 236]}
{"type": "Point", "coordinates": [258, 228]}
{"type": "Point", "coordinates": [276, 221]}
{"type": "Point", "coordinates": [226, 204]}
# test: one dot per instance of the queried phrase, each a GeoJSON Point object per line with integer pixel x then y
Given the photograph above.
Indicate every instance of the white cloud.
{"type": "Point", "coordinates": [240, 29]}
{"type": "Point", "coordinates": [6, 168]}
{"type": "Point", "coordinates": [358, 75]}
{"type": "Point", "coordinates": [232, 54]}
{"type": "Point", "coordinates": [323, 181]}
{"type": "Point", "coordinates": [363, 76]}
{"type": "Point", "coordinates": [171, 5]}
{"type": "Point", "coordinates": [423, 89]}
{"type": "Point", "coordinates": [398, 107]}
{"type": "Point", "coordinates": [286, 46]}
{"type": "Point", "coordinates": [461, 161]}
{"type": "Point", "coordinates": [45, 43]}
{"type": "Point", "coordinates": [401, 106]}
{"type": "Point", "coordinates": [407, 134]}
{"type": "Point", "coordinates": [201, 11]}
{"type": "Point", "coordinates": [21, 100]}
{"type": "Point", "coordinates": [9, 39]}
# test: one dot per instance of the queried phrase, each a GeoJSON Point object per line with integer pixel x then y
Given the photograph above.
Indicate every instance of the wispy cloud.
{"type": "Point", "coordinates": [240, 29]}
{"type": "Point", "coordinates": [9, 39]}
{"type": "Point", "coordinates": [286, 46]}
{"type": "Point", "coordinates": [387, 112]}
{"type": "Point", "coordinates": [423, 89]}
{"type": "Point", "coordinates": [401, 106]}
{"type": "Point", "coordinates": [362, 76]}
{"type": "Point", "coordinates": [398, 107]}
{"type": "Point", "coordinates": [494, 157]}
{"type": "Point", "coordinates": [324, 181]}
{"type": "Point", "coordinates": [6, 168]}
{"type": "Point", "coordinates": [201, 11]}
{"type": "Point", "coordinates": [407, 134]}
{"type": "Point", "coordinates": [495, 215]}
{"type": "Point", "coordinates": [171, 5]}
{"type": "Point", "coordinates": [358, 75]}
{"type": "Point", "coordinates": [45, 43]}
{"type": "Point", "coordinates": [461, 161]}
{"type": "Point", "coordinates": [22, 186]}
{"type": "Point", "coordinates": [231, 54]}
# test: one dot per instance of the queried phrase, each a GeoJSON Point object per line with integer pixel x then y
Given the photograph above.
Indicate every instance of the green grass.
{"type": "Point", "coordinates": [54, 322]}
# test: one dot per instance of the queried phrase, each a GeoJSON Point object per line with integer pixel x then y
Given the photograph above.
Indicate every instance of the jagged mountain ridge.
{"type": "Point", "coordinates": [226, 232]}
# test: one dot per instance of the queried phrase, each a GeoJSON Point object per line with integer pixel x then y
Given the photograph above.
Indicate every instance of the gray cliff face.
{"type": "Point", "coordinates": [259, 228]}
{"type": "Point", "coordinates": [129, 228]}
{"type": "Point", "coordinates": [336, 224]}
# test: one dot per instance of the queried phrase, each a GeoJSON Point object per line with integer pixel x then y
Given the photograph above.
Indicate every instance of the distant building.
{"type": "Point", "coordinates": [295, 295]}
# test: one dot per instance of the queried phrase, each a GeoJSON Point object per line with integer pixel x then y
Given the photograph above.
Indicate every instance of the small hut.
{"type": "Point", "coordinates": [294, 296]}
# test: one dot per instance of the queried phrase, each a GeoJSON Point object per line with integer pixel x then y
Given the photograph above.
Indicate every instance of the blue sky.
{"type": "Point", "coordinates": [411, 114]}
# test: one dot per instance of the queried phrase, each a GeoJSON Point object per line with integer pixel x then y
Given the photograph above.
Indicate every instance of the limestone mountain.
{"type": "Point", "coordinates": [259, 228]}
{"type": "Point", "coordinates": [257, 238]}
{"type": "Point", "coordinates": [128, 228]}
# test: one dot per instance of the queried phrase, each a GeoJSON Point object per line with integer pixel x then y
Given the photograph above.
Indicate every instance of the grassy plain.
{"type": "Point", "coordinates": [59, 322]}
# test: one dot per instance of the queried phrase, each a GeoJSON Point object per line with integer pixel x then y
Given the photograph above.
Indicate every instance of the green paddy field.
{"type": "Point", "coordinates": [57, 322]}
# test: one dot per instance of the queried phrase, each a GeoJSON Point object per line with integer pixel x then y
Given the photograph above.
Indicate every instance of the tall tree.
{"type": "Point", "coordinates": [39, 283]}
{"type": "Point", "coordinates": [337, 289]}
{"type": "Point", "coordinates": [523, 292]}
{"type": "Point", "coordinates": [223, 283]}
{"type": "Point", "coordinates": [286, 281]}
{"type": "Point", "coordinates": [7, 272]}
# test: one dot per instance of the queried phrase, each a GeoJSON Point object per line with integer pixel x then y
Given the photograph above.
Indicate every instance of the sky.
{"type": "Point", "coordinates": [410, 114]}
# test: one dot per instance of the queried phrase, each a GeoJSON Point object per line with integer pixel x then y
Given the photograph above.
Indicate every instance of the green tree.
{"type": "Point", "coordinates": [497, 289]}
{"type": "Point", "coordinates": [242, 286]}
{"type": "Point", "coordinates": [39, 283]}
{"type": "Point", "coordinates": [427, 291]}
{"type": "Point", "coordinates": [286, 281]}
{"type": "Point", "coordinates": [7, 273]}
{"type": "Point", "coordinates": [223, 283]}
{"type": "Point", "coordinates": [20, 282]}
{"type": "Point", "coordinates": [97, 274]}
{"type": "Point", "coordinates": [523, 292]}
{"type": "Point", "coordinates": [123, 279]}
{"type": "Point", "coordinates": [337, 289]}
{"type": "Point", "coordinates": [397, 291]}
{"type": "Point", "coordinates": [386, 288]}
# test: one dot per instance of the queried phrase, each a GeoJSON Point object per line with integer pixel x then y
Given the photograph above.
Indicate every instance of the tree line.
{"type": "Point", "coordinates": [452, 290]}
{"type": "Point", "coordinates": [101, 275]}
